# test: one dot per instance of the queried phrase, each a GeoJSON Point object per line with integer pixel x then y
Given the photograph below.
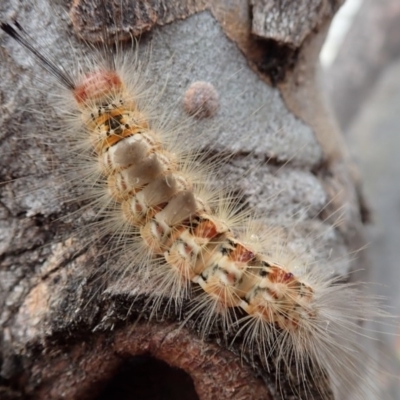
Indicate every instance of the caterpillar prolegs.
{"type": "Point", "coordinates": [187, 239]}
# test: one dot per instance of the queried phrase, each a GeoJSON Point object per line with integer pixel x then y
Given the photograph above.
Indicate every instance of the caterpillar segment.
{"type": "Point", "coordinates": [278, 297]}
{"type": "Point", "coordinates": [159, 200]}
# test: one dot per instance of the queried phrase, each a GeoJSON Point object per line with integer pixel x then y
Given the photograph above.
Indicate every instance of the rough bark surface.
{"type": "Point", "coordinates": [290, 22]}
{"type": "Point", "coordinates": [65, 333]}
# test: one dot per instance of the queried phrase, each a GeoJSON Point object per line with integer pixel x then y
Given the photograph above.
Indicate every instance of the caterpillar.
{"type": "Point", "coordinates": [189, 241]}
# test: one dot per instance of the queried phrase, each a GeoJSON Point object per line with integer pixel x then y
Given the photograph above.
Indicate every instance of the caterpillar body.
{"type": "Point", "coordinates": [191, 243]}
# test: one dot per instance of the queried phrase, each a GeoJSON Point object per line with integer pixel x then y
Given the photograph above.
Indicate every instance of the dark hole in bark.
{"type": "Point", "coordinates": [147, 378]}
{"type": "Point", "coordinates": [276, 59]}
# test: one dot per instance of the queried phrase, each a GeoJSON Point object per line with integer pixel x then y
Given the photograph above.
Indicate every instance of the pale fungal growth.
{"type": "Point", "coordinates": [192, 244]}
{"type": "Point", "coordinates": [201, 100]}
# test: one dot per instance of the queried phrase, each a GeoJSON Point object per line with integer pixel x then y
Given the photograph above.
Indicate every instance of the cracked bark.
{"type": "Point", "coordinates": [55, 343]}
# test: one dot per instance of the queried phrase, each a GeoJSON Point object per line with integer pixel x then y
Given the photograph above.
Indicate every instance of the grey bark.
{"type": "Point", "coordinates": [56, 343]}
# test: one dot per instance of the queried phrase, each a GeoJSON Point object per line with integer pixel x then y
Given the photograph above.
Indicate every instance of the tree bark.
{"type": "Point", "coordinates": [62, 336]}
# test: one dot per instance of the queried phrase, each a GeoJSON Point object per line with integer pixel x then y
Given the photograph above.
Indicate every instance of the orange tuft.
{"type": "Point", "coordinates": [96, 85]}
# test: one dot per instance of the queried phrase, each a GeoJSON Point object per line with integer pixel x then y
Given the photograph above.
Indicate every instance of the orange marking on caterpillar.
{"type": "Point", "coordinates": [97, 85]}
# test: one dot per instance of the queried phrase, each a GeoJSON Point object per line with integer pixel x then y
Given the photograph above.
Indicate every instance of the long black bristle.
{"type": "Point", "coordinates": [48, 64]}
{"type": "Point", "coordinates": [7, 28]}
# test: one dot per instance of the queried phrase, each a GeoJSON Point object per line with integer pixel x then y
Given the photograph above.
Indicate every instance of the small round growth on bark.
{"type": "Point", "coordinates": [201, 100]}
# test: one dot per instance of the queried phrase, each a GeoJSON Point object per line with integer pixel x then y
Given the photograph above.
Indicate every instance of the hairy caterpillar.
{"type": "Point", "coordinates": [183, 236]}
